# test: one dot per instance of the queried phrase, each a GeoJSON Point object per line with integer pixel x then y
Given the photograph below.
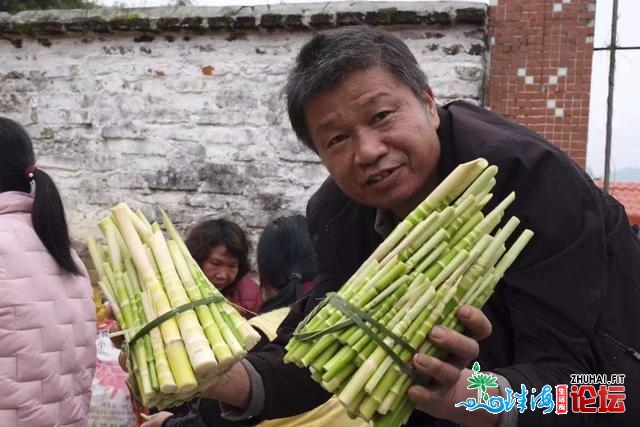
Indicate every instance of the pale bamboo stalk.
{"type": "Point", "coordinates": [174, 346]}
{"type": "Point", "coordinates": [195, 341]}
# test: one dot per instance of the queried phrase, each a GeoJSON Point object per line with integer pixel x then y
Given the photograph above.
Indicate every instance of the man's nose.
{"type": "Point", "coordinates": [369, 147]}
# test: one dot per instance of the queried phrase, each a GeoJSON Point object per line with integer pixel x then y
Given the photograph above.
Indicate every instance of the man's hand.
{"type": "Point", "coordinates": [233, 388]}
{"type": "Point", "coordinates": [156, 420]}
{"type": "Point", "coordinates": [449, 385]}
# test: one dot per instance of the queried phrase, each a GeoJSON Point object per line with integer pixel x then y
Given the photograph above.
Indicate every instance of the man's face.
{"type": "Point", "coordinates": [377, 139]}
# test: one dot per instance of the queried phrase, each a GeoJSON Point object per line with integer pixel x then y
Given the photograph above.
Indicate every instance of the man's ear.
{"type": "Point", "coordinates": [432, 108]}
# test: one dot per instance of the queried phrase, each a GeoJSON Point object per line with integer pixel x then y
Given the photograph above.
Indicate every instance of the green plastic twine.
{"type": "Point", "coordinates": [155, 323]}
{"type": "Point", "coordinates": [171, 313]}
{"type": "Point", "coordinates": [362, 320]}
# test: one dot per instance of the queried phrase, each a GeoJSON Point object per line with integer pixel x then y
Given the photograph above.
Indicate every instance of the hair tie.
{"type": "Point", "coordinates": [29, 171]}
{"type": "Point", "coordinates": [295, 276]}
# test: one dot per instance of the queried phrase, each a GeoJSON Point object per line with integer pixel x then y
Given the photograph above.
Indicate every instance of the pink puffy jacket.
{"type": "Point", "coordinates": [47, 328]}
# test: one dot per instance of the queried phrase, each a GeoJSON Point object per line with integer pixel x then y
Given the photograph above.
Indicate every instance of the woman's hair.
{"type": "Point", "coordinates": [286, 259]}
{"type": "Point", "coordinates": [17, 169]}
{"type": "Point", "coordinates": [215, 232]}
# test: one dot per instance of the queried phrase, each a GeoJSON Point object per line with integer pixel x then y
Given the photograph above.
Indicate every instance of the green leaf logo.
{"type": "Point", "coordinates": [482, 381]}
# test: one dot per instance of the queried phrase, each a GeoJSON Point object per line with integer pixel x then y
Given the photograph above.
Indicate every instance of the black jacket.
{"type": "Point", "coordinates": [569, 304]}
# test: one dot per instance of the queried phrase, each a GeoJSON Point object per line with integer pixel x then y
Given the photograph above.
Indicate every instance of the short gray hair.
{"type": "Point", "coordinates": [328, 57]}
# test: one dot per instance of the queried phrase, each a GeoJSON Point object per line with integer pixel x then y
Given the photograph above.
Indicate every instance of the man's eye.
{"type": "Point", "coordinates": [335, 140]}
{"type": "Point", "coordinates": [381, 116]}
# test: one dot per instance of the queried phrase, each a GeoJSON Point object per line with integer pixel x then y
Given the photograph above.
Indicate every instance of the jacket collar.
{"type": "Point", "coordinates": [15, 201]}
{"type": "Point", "coordinates": [447, 161]}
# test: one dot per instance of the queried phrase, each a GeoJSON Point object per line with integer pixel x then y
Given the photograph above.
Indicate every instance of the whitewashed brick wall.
{"type": "Point", "coordinates": [191, 120]}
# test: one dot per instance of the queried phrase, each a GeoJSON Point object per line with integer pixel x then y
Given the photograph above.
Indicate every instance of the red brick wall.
{"type": "Point", "coordinates": [540, 67]}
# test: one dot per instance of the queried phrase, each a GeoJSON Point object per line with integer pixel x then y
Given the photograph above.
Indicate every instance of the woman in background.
{"type": "Point", "coordinates": [47, 313]}
{"type": "Point", "coordinates": [221, 248]}
{"type": "Point", "coordinates": [286, 262]}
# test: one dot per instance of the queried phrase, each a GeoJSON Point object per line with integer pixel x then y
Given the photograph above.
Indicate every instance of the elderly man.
{"type": "Point", "coordinates": [358, 98]}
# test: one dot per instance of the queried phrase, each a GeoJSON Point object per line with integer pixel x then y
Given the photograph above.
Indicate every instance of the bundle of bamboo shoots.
{"type": "Point", "coordinates": [358, 343]}
{"type": "Point", "coordinates": [180, 333]}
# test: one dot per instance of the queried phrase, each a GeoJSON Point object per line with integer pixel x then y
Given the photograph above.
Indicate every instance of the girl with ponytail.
{"type": "Point", "coordinates": [47, 314]}
{"type": "Point", "coordinates": [18, 171]}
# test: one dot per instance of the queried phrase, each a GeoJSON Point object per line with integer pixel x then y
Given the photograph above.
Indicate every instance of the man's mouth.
{"type": "Point", "coordinates": [380, 176]}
